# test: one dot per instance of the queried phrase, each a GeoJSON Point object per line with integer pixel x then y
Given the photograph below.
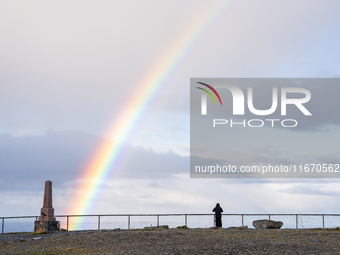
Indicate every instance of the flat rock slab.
{"type": "Point", "coordinates": [267, 224]}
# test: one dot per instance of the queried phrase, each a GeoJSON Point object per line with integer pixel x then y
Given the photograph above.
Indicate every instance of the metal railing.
{"type": "Point", "coordinates": [133, 221]}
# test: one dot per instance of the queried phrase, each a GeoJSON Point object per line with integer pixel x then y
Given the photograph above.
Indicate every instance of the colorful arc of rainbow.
{"type": "Point", "coordinates": [107, 156]}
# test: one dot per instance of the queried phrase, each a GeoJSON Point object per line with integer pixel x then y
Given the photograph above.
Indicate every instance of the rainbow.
{"type": "Point", "coordinates": [107, 155]}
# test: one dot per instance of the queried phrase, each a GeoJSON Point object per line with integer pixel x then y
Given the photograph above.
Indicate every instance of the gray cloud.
{"type": "Point", "coordinates": [145, 181]}
{"type": "Point", "coordinates": [61, 156]}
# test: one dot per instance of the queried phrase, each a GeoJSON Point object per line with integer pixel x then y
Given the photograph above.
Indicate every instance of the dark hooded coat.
{"type": "Point", "coordinates": [218, 215]}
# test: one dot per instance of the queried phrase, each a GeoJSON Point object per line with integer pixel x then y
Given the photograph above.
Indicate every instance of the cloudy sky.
{"type": "Point", "coordinates": [69, 69]}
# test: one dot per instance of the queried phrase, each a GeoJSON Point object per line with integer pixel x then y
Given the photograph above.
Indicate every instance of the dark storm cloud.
{"type": "Point", "coordinates": [28, 161]}
{"type": "Point", "coordinates": [146, 164]}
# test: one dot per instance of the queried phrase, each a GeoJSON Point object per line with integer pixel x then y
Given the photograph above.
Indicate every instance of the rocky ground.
{"type": "Point", "coordinates": [175, 241]}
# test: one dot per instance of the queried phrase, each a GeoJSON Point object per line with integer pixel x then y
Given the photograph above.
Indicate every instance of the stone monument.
{"type": "Point", "coordinates": [46, 221]}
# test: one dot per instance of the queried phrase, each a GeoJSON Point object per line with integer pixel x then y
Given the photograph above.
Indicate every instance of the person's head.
{"type": "Point", "coordinates": [217, 205]}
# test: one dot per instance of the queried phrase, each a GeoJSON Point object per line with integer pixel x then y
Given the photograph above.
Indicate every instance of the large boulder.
{"type": "Point", "coordinates": [267, 224]}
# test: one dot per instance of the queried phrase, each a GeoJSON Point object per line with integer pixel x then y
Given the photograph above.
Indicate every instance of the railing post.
{"type": "Point", "coordinates": [67, 223]}
{"type": "Point", "coordinates": [129, 222]}
{"type": "Point", "coordinates": [3, 225]}
{"type": "Point", "coordinates": [98, 222]}
{"type": "Point", "coordinates": [297, 222]}
{"type": "Point", "coordinates": [242, 221]}
{"type": "Point", "coordinates": [269, 216]}
{"type": "Point", "coordinates": [186, 220]}
{"type": "Point", "coordinates": [157, 220]}
{"type": "Point", "coordinates": [323, 221]}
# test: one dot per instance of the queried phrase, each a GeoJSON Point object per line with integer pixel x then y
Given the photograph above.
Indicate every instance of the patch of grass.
{"type": "Point", "coordinates": [38, 233]}
{"type": "Point", "coordinates": [216, 228]}
{"type": "Point", "coordinates": [70, 248]}
{"type": "Point", "coordinates": [326, 229]}
{"type": "Point", "coordinates": [149, 229]}
{"type": "Point", "coordinates": [77, 250]}
{"type": "Point", "coordinates": [183, 227]}
{"type": "Point", "coordinates": [14, 233]}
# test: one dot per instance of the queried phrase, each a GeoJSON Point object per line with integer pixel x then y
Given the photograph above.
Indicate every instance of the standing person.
{"type": "Point", "coordinates": [218, 217]}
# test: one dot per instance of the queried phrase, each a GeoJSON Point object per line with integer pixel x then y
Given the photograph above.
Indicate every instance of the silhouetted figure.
{"type": "Point", "coordinates": [218, 217]}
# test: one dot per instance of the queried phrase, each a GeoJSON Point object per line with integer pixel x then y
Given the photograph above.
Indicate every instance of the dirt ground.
{"type": "Point", "coordinates": [175, 241]}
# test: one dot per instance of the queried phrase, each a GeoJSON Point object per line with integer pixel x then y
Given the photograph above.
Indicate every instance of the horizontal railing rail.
{"type": "Point", "coordinates": [129, 216]}
{"type": "Point", "coordinates": [177, 214]}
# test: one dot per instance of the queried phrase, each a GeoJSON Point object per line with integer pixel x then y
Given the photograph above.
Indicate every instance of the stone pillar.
{"type": "Point", "coordinates": [46, 221]}
{"type": "Point", "coordinates": [47, 211]}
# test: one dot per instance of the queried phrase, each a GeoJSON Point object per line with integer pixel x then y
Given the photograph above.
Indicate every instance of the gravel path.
{"type": "Point", "coordinates": [175, 241]}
